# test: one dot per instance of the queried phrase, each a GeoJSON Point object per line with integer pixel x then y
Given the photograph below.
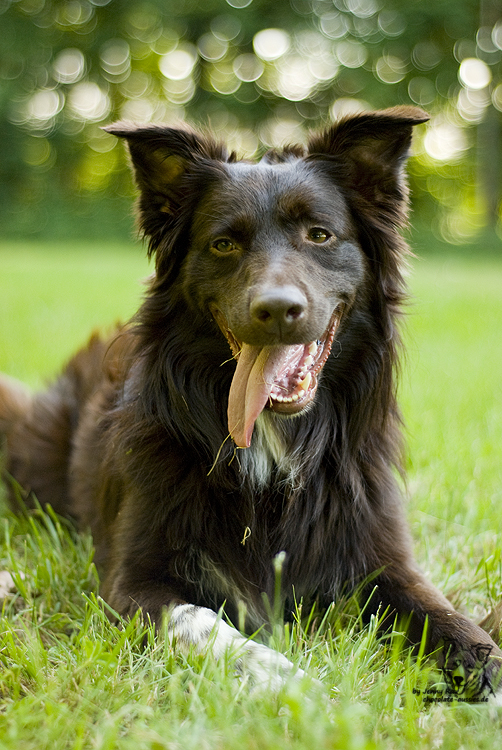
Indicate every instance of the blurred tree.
{"type": "Point", "coordinates": [258, 72]}
{"type": "Point", "coordinates": [489, 38]}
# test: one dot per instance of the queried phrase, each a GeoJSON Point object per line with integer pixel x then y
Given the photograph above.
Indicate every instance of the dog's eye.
{"type": "Point", "coordinates": [318, 235]}
{"type": "Point", "coordinates": [223, 246]}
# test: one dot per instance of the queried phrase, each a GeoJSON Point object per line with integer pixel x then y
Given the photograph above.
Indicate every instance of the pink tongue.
{"type": "Point", "coordinates": [257, 368]}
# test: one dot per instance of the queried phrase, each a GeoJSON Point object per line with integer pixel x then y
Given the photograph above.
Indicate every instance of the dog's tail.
{"type": "Point", "coordinates": [15, 405]}
{"type": "Point", "coordinates": [38, 432]}
{"type": "Point", "coordinates": [15, 400]}
{"type": "Point", "coordinates": [33, 444]}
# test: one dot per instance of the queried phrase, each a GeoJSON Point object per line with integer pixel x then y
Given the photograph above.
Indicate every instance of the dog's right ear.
{"type": "Point", "coordinates": [161, 156]}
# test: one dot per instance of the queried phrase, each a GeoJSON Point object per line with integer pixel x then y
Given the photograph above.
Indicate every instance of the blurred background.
{"type": "Point", "coordinates": [260, 73]}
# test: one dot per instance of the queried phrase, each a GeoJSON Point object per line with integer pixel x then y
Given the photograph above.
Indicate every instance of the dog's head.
{"type": "Point", "coordinates": [274, 250]}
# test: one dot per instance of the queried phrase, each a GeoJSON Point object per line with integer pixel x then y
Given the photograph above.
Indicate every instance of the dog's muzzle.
{"type": "Point", "coordinates": [282, 378]}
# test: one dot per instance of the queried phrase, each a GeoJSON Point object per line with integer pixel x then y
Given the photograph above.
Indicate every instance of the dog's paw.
{"type": "Point", "coordinates": [201, 629]}
{"type": "Point", "coordinates": [7, 585]}
{"type": "Point", "coordinates": [266, 667]}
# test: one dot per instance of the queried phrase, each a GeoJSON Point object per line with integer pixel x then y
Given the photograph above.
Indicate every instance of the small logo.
{"type": "Point", "coordinates": [465, 675]}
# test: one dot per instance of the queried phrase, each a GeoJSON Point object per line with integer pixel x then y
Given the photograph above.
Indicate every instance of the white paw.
{"type": "Point", "coordinates": [202, 629]}
{"type": "Point", "coordinates": [7, 585]}
{"type": "Point", "coordinates": [266, 667]}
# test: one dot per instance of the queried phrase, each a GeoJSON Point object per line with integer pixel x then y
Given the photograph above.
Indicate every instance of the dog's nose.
{"type": "Point", "coordinates": [279, 309]}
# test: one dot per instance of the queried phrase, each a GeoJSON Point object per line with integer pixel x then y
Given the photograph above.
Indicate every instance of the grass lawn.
{"type": "Point", "coordinates": [68, 679]}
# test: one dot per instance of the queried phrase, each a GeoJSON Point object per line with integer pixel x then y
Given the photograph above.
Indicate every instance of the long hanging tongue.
{"type": "Point", "coordinates": [257, 368]}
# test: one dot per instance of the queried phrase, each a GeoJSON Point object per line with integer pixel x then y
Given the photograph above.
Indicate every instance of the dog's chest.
{"type": "Point", "coordinates": [269, 456]}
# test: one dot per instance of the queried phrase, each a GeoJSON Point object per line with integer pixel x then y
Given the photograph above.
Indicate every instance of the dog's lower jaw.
{"type": "Point", "coordinates": [203, 630]}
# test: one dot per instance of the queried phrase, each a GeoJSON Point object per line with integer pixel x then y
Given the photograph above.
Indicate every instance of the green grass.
{"type": "Point", "coordinates": [70, 679]}
{"type": "Point", "coordinates": [54, 295]}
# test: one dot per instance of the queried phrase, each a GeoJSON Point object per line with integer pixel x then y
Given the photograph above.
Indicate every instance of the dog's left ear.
{"type": "Point", "coordinates": [160, 157]}
{"type": "Point", "coordinates": [369, 149]}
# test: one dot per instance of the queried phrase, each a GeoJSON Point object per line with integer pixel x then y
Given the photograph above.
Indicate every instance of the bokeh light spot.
{"type": "Point", "coordinates": [69, 66]}
{"type": "Point", "coordinates": [497, 97]}
{"type": "Point", "coordinates": [270, 44]}
{"type": "Point", "coordinates": [390, 69]}
{"type": "Point", "coordinates": [347, 106]}
{"type": "Point", "coordinates": [116, 60]}
{"type": "Point", "coordinates": [391, 23]}
{"type": "Point", "coordinates": [248, 67]}
{"type": "Point", "coordinates": [497, 35]}
{"type": "Point", "coordinates": [334, 25]}
{"type": "Point", "coordinates": [239, 3]}
{"type": "Point", "coordinates": [41, 109]}
{"type": "Point", "coordinates": [211, 48]}
{"type": "Point", "coordinates": [351, 54]}
{"type": "Point", "coordinates": [179, 63]}
{"type": "Point", "coordinates": [362, 8]}
{"type": "Point", "coordinates": [445, 141]}
{"type": "Point", "coordinates": [422, 90]}
{"type": "Point", "coordinates": [88, 101]}
{"type": "Point", "coordinates": [474, 73]}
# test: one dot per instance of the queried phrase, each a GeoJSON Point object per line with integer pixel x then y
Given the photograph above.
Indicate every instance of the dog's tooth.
{"type": "Point", "coordinates": [301, 393]}
{"type": "Point", "coordinates": [306, 382]}
{"type": "Point", "coordinates": [308, 361]}
{"type": "Point", "coordinates": [295, 397]}
{"type": "Point", "coordinates": [313, 348]}
{"type": "Point", "coordinates": [279, 398]}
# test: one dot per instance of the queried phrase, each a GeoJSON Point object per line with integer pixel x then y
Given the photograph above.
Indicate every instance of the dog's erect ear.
{"type": "Point", "coordinates": [160, 157]}
{"type": "Point", "coordinates": [370, 149]}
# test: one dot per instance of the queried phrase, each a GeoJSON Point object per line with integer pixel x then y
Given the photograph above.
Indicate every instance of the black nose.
{"type": "Point", "coordinates": [278, 309]}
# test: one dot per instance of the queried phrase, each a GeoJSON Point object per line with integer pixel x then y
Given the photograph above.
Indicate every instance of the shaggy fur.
{"type": "Point", "coordinates": [256, 266]}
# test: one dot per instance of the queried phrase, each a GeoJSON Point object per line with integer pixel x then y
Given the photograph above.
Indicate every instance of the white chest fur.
{"type": "Point", "coordinates": [269, 451]}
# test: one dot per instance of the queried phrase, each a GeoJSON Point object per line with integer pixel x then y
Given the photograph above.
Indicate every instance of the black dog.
{"type": "Point", "coordinates": [249, 410]}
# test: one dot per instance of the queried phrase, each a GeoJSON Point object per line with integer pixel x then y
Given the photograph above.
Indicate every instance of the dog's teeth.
{"type": "Point", "coordinates": [295, 397]}
{"type": "Point", "coordinates": [306, 382]}
{"type": "Point", "coordinates": [301, 393]}
{"type": "Point", "coordinates": [313, 349]}
{"type": "Point", "coordinates": [279, 398]}
{"type": "Point", "coordinates": [308, 361]}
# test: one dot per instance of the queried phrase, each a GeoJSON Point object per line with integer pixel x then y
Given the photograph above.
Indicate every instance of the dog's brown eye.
{"type": "Point", "coordinates": [318, 235]}
{"type": "Point", "coordinates": [223, 246]}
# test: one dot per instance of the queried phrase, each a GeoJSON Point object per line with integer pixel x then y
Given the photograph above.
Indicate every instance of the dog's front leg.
{"type": "Point", "coordinates": [198, 628]}
{"type": "Point", "coordinates": [470, 660]}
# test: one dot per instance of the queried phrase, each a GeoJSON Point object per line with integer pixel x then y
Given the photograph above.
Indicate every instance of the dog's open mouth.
{"type": "Point", "coordinates": [281, 378]}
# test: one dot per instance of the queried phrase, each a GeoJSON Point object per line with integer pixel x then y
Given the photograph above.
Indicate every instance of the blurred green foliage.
{"type": "Point", "coordinates": [260, 73]}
